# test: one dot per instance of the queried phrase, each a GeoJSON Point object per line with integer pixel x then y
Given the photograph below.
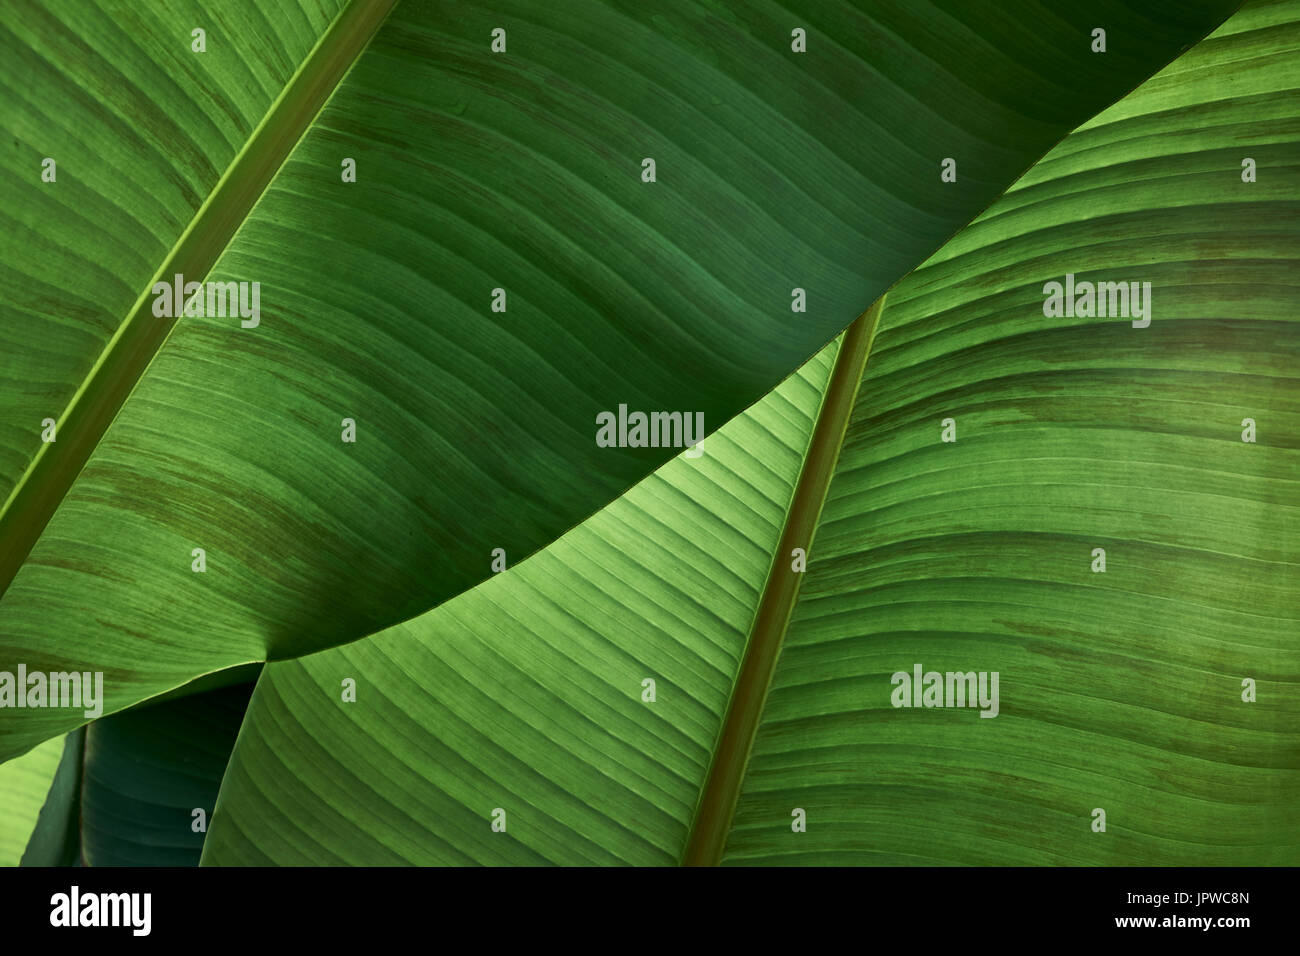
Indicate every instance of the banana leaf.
{"type": "Point", "coordinates": [1099, 509]}
{"type": "Point", "coordinates": [181, 493]}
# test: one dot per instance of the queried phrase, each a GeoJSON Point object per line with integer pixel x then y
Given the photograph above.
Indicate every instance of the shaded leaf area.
{"type": "Point", "coordinates": [528, 693]}
{"type": "Point", "coordinates": [148, 770]}
{"type": "Point", "coordinates": [24, 784]}
{"type": "Point", "coordinates": [123, 790]}
{"type": "Point", "coordinates": [55, 837]}
{"type": "Point", "coordinates": [521, 171]}
{"type": "Point", "coordinates": [140, 128]}
{"type": "Point", "coordinates": [1120, 690]}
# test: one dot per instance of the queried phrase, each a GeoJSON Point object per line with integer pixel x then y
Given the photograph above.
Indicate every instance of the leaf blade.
{"type": "Point", "coordinates": [24, 783]}
{"type": "Point", "coordinates": [1120, 690]}
{"type": "Point", "coordinates": [137, 339]}
{"type": "Point", "coordinates": [721, 789]}
{"type": "Point", "coordinates": [523, 164]}
{"type": "Point", "coordinates": [540, 657]}
{"type": "Point", "coordinates": [1001, 572]}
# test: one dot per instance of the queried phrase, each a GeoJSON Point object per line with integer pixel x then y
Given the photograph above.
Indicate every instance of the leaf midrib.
{"type": "Point", "coordinates": [105, 389]}
{"type": "Point", "coordinates": [721, 789]}
{"type": "Point", "coordinates": [711, 823]}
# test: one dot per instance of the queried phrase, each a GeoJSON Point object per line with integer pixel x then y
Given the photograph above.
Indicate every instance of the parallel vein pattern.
{"type": "Point", "coordinates": [1119, 690]}
{"type": "Point", "coordinates": [141, 129]}
{"type": "Point", "coordinates": [520, 171]}
{"type": "Point", "coordinates": [24, 782]}
{"type": "Point", "coordinates": [146, 772]}
{"type": "Point", "coordinates": [526, 694]}
{"type": "Point", "coordinates": [721, 788]}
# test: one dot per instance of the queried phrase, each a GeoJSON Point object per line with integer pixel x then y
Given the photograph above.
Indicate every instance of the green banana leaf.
{"type": "Point", "coordinates": [475, 170]}
{"type": "Point", "coordinates": [529, 692]}
{"type": "Point", "coordinates": [510, 726]}
{"type": "Point", "coordinates": [149, 771]}
{"type": "Point", "coordinates": [55, 838]}
{"type": "Point", "coordinates": [24, 783]}
{"type": "Point", "coordinates": [128, 789]}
